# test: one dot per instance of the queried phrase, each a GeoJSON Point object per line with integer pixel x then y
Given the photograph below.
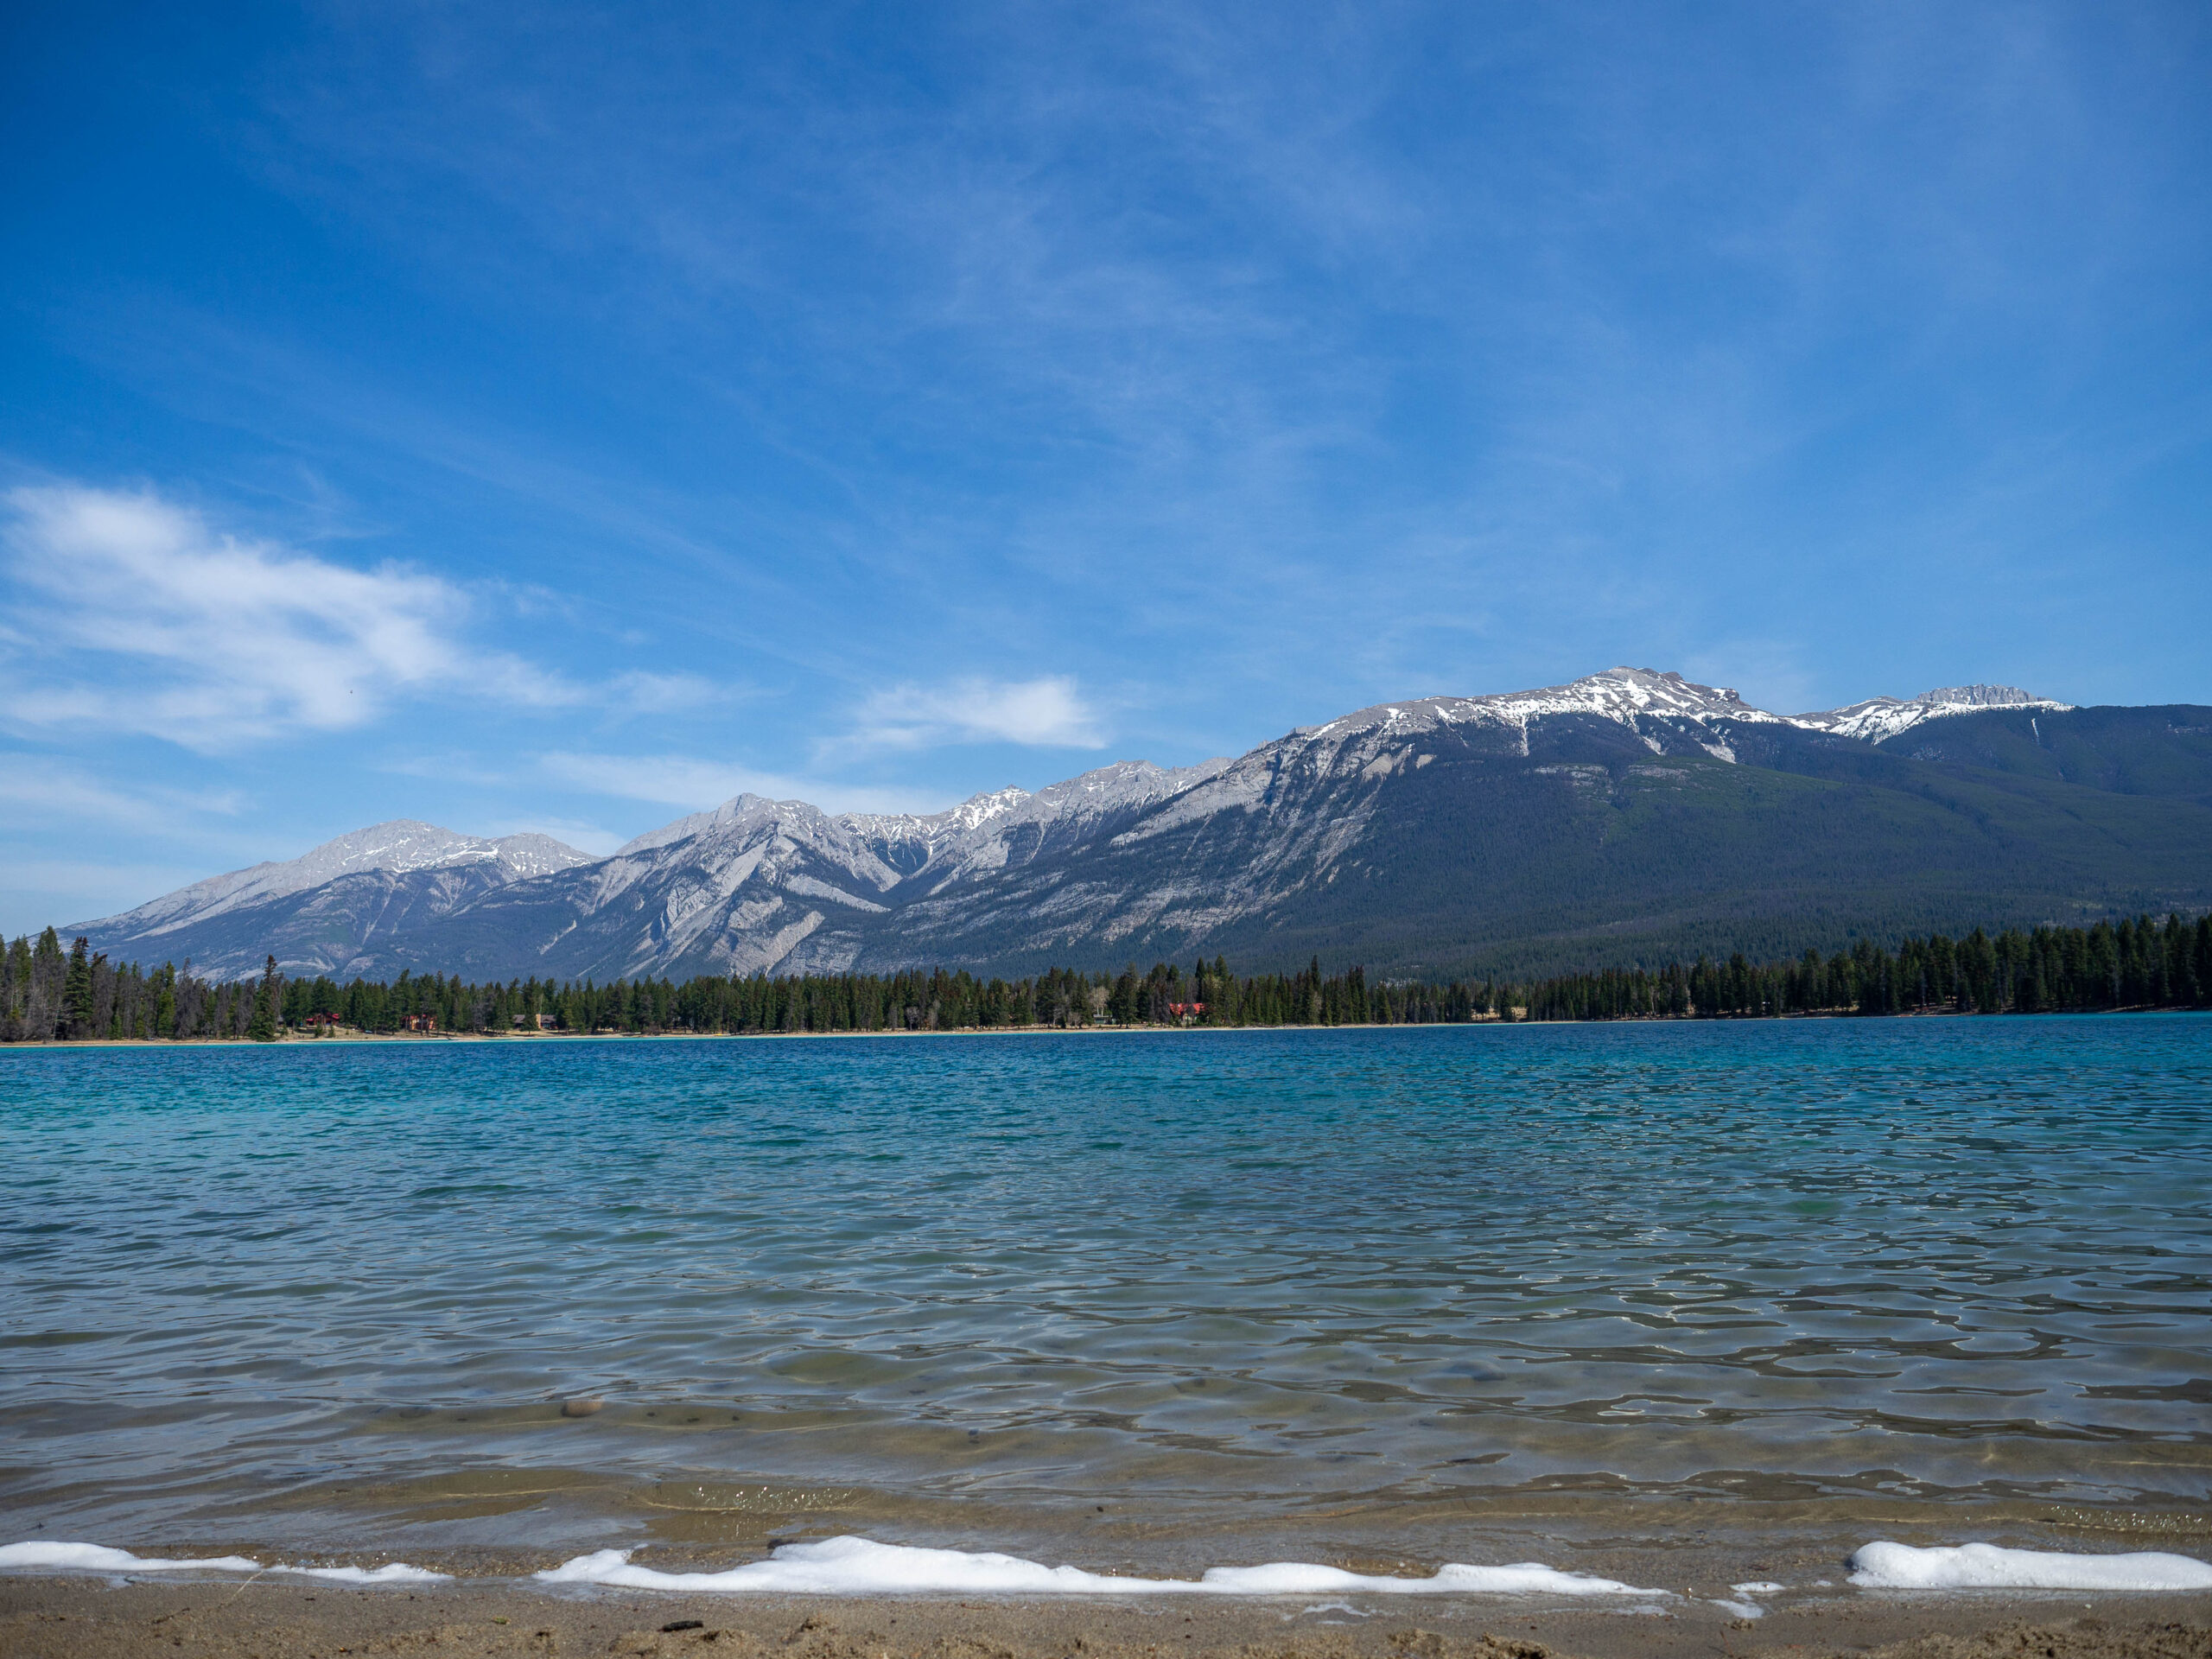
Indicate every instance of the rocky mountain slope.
{"type": "Point", "coordinates": [317, 913]}
{"type": "Point", "coordinates": [1629, 815]}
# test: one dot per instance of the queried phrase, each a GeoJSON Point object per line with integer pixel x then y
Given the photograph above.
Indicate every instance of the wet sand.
{"type": "Point", "coordinates": [91, 1619]}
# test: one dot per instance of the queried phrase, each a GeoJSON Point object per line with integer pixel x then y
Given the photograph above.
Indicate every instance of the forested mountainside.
{"type": "Point", "coordinates": [1628, 818]}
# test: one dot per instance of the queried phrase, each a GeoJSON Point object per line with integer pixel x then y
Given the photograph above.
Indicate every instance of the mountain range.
{"type": "Point", "coordinates": [1630, 816]}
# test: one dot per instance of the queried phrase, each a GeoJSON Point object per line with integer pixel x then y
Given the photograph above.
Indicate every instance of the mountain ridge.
{"type": "Point", "coordinates": [399, 846]}
{"type": "Point", "coordinates": [1416, 835]}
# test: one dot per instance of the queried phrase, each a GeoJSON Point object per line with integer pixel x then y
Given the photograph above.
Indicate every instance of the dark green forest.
{"type": "Point", "coordinates": [49, 995]}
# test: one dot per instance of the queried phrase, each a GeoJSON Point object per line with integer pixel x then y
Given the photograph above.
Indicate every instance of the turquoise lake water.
{"type": "Point", "coordinates": [1132, 1300]}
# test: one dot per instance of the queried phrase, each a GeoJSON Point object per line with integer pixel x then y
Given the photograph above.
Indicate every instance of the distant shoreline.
{"type": "Point", "coordinates": [358, 1038]}
{"type": "Point", "coordinates": [371, 1039]}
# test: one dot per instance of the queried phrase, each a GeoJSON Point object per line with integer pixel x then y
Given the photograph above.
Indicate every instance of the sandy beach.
{"type": "Point", "coordinates": [82, 1618]}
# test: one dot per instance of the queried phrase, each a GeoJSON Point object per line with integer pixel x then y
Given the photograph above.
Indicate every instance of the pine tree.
{"type": "Point", "coordinates": [77, 993]}
{"type": "Point", "coordinates": [165, 1002]}
{"type": "Point", "coordinates": [263, 1028]}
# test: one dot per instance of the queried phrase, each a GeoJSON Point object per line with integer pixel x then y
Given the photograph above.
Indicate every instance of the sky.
{"type": "Point", "coordinates": [561, 418]}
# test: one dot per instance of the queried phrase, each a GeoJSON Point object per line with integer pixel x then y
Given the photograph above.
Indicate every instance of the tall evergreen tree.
{"type": "Point", "coordinates": [263, 1027]}
{"type": "Point", "coordinates": [77, 993]}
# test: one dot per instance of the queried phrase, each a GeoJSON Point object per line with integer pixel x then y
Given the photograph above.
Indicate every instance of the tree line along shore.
{"type": "Point", "coordinates": [49, 995]}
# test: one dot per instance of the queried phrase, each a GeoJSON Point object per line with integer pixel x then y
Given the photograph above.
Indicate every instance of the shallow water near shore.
{"type": "Point", "coordinates": [1677, 1301]}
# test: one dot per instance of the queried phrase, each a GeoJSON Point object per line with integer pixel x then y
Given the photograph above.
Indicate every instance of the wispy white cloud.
{"type": "Point", "coordinates": [696, 783]}
{"type": "Point", "coordinates": [132, 614]}
{"type": "Point", "coordinates": [38, 789]}
{"type": "Point", "coordinates": [645, 693]}
{"type": "Point", "coordinates": [239, 638]}
{"type": "Point", "coordinates": [1050, 712]}
{"type": "Point", "coordinates": [671, 779]}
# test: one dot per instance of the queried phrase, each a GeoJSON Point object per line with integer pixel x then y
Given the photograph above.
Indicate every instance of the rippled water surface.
{"type": "Point", "coordinates": [1350, 1285]}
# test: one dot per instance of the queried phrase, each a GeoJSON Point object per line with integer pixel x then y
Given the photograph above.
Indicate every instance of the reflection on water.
{"type": "Point", "coordinates": [1366, 1282]}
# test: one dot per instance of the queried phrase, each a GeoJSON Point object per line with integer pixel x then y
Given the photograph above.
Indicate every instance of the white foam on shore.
{"type": "Point", "coordinates": [99, 1558]}
{"type": "Point", "coordinates": [389, 1572]}
{"type": "Point", "coordinates": [1989, 1567]}
{"type": "Point", "coordinates": [855, 1567]}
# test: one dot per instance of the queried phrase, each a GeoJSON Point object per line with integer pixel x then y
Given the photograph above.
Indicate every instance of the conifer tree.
{"type": "Point", "coordinates": [263, 1028]}
{"type": "Point", "coordinates": [77, 993]}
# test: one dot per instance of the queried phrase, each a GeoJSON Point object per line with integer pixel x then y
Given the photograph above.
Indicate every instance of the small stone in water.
{"type": "Point", "coordinates": [583, 1406]}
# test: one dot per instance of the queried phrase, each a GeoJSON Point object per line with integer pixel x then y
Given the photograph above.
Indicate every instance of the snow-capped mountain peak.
{"type": "Point", "coordinates": [1878, 718]}
{"type": "Point", "coordinates": [1617, 694]}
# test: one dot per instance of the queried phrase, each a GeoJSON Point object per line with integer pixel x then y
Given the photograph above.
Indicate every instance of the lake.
{"type": "Point", "coordinates": [1668, 1294]}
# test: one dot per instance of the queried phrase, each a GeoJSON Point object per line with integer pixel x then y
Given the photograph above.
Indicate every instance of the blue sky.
{"type": "Point", "coordinates": [559, 418]}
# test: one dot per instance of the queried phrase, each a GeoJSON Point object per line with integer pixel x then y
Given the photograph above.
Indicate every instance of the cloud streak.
{"type": "Point", "coordinates": [695, 782]}
{"type": "Point", "coordinates": [131, 613]}
{"type": "Point", "coordinates": [33, 788]}
{"type": "Point", "coordinates": [1050, 712]}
